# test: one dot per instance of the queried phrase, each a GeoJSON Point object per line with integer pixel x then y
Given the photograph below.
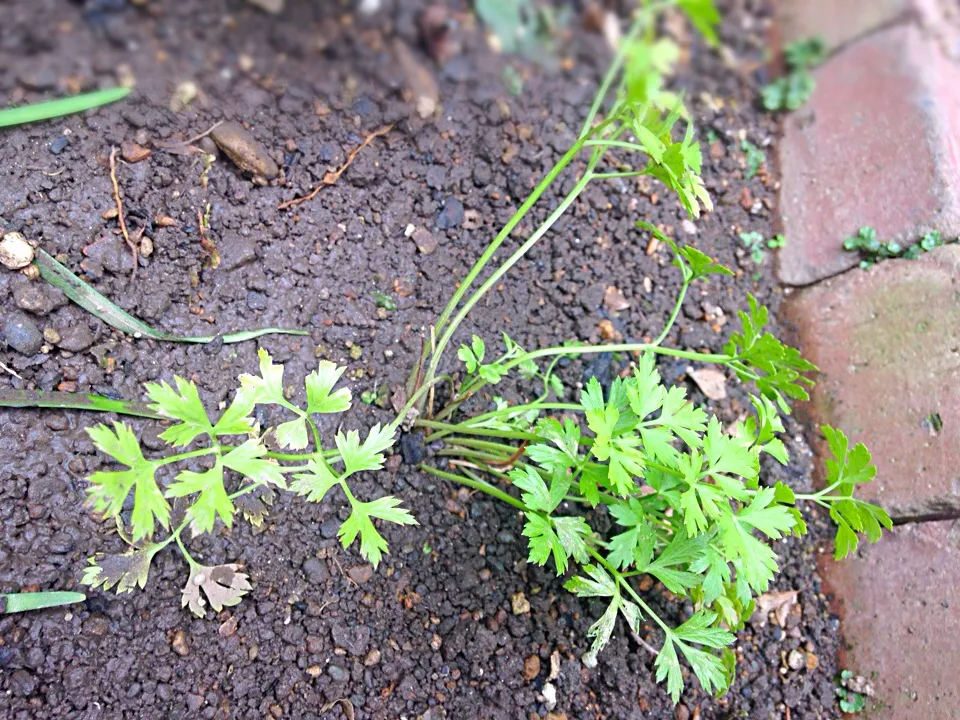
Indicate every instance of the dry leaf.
{"type": "Point", "coordinates": [779, 603]}
{"type": "Point", "coordinates": [222, 584]}
{"type": "Point", "coordinates": [419, 80]}
{"type": "Point", "coordinates": [711, 381]}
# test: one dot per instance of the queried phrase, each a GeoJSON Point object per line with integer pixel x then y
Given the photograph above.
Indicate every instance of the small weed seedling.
{"type": "Point", "coordinates": [686, 496]}
{"type": "Point", "coordinates": [850, 701]}
{"type": "Point", "coordinates": [757, 247]}
{"type": "Point", "coordinates": [792, 90]}
{"type": "Point", "coordinates": [754, 156]}
{"type": "Point", "coordinates": [873, 250]}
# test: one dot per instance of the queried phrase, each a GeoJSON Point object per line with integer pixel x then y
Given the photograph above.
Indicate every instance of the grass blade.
{"type": "Point", "coordinates": [99, 306]}
{"type": "Point", "coordinates": [57, 108]}
{"type": "Point", "coordinates": [20, 602]}
{"type": "Point", "coordinates": [74, 401]}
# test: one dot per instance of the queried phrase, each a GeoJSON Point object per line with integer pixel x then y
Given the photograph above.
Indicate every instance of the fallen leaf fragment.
{"type": "Point", "coordinates": [779, 603]}
{"type": "Point", "coordinates": [223, 586]}
{"type": "Point", "coordinates": [711, 381]}
{"type": "Point", "coordinates": [613, 299]}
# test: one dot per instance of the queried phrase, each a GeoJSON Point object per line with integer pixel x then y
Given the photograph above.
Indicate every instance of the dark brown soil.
{"type": "Point", "coordinates": [436, 615]}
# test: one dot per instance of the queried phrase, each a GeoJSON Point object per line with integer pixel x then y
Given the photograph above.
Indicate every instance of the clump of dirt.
{"type": "Point", "coordinates": [432, 632]}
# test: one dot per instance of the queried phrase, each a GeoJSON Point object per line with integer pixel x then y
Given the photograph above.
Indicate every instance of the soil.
{"type": "Point", "coordinates": [430, 633]}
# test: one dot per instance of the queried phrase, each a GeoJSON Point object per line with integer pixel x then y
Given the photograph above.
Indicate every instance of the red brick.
{"type": "Point", "coordinates": [839, 22]}
{"type": "Point", "coordinates": [875, 145]}
{"type": "Point", "coordinates": [887, 342]}
{"type": "Point", "coordinates": [900, 603]}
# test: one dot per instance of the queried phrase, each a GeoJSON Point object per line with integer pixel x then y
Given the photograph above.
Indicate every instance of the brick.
{"type": "Point", "coordinates": [901, 619]}
{"type": "Point", "coordinates": [875, 145]}
{"type": "Point", "coordinates": [839, 22]}
{"type": "Point", "coordinates": [887, 342]}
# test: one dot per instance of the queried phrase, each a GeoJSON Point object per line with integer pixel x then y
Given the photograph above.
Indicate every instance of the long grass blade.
{"type": "Point", "coordinates": [99, 306]}
{"type": "Point", "coordinates": [58, 108]}
{"type": "Point", "coordinates": [21, 602]}
{"type": "Point", "coordinates": [75, 401]}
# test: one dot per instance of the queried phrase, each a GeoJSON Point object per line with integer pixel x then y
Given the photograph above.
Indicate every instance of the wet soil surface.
{"type": "Point", "coordinates": [430, 633]}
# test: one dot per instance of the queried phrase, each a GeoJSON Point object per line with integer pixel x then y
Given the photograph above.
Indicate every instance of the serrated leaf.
{"type": "Point", "coordinates": [255, 504]}
{"type": "Point", "coordinates": [467, 358]}
{"type": "Point", "coordinates": [212, 499]}
{"type": "Point", "coordinates": [598, 583]}
{"type": "Point", "coordinates": [704, 16]}
{"type": "Point", "coordinates": [236, 419]}
{"type": "Point", "coordinates": [268, 387]}
{"type": "Point", "coordinates": [368, 455]}
{"type": "Point", "coordinates": [573, 532]}
{"type": "Point", "coordinates": [124, 570]}
{"type": "Point", "coordinates": [708, 668]}
{"type": "Point", "coordinates": [701, 264]}
{"type": "Point", "coordinates": [250, 459]}
{"type": "Point", "coordinates": [315, 481]}
{"type": "Point", "coordinates": [109, 489]}
{"type": "Point", "coordinates": [543, 542]}
{"type": "Point", "coordinates": [372, 544]}
{"type": "Point", "coordinates": [292, 434]}
{"type": "Point", "coordinates": [701, 629]}
{"type": "Point", "coordinates": [667, 567]}
{"type": "Point", "coordinates": [319, 385]}
{"type": "Point", "coordinates": [535, 493]}
{"type": "Point", "coordinates": [223, 585]}
{"type": "Point", "coordinates": [182, 404]}
{"type": "Point", "coordinates": [668, 668]}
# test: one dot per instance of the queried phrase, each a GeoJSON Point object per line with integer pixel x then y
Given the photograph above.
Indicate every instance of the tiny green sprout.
{"type": "Point", "coordinates": [753, 242]}
{"type": "Point", "coordinates": [794, 88]}
{"type": "Point", "coordinates": [369, 396]}
{"type": "Point", "coordinates": [426, 549]}
{"type": "Point", "coordinates": [873, 250]}
{"type": "Point", "coordinates": [754, 156]}
{"type": "Point", "coordinates": [776, 242]}
{"type": "Point", "coordinates": [512, 80]}
{"type": "Point", "coordinates": [850, 701]}
{"type": "Point", "coordinates": [384, 301]}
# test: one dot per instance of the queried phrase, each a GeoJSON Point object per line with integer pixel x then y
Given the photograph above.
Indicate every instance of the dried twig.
{"type": "Point", "coordinates": [180, 146]}
{"type": "Point", "coordinates": [120, 219]}
{"type": "Point", "coordinates": [644, 644]}
{"type": "Point", "coordinates": [9, 370]}
{"type": "Point", "coordinates": [343, 703]}
{"type": "Point", "coordinates": [331, 176]}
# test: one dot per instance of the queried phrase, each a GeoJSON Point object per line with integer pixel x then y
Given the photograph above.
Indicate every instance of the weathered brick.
{"type": "Point", "coordinates": [838, 22]}
{"type": "Point", "coordinates": [887, 342]}
{"type": "Point", "coordinates": [875, 145]}
{"type": "Point", "coordinates": [901, 619]}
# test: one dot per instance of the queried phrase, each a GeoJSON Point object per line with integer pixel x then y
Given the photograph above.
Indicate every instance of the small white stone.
{"type": "Point", "coordinates": [549, 693]}
{"type": "Point", "coordinates": [15, 251]}
{"type": "Point", "coordinates": [408, 231]}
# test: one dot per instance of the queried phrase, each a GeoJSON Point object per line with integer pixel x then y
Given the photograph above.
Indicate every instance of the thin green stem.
{"type": "Point", "coordinates": [476, 484]}
{"type": "Point", "coordinates": [470, 430]}
{"type": "Point", "coordinates": [482, 445]}
{"type": "Point", "coordinates": [504, 233]}
{"type": "Point", "coordinates": [619, 347]}
{"type": "Point", "coordinates": [494, 278]}
{"type": "Point", "coordinates": [673, 315]}
{"type": "Point", "coordinates": [473, 455]}
{"type": "Point", "coordinates": [177, 457]}
{"type": "Point", "coordinates": [186, 553]}
{"type": "Point", "coordinates": [619, 174]}
{"type": "Point", "coordinates": [622, 581]}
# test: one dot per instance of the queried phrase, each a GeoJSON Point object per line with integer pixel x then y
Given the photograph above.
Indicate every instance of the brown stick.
{"type": "Point", "coordinates": [331, 176]}
{"type": "Point", "coordinates": [120, 219]}
{"type": "Point", "coordinates": [176, 146]}
{"type": "Point", "coordinates": [510, 460]}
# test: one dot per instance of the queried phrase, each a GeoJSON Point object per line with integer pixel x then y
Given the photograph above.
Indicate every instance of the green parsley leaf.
{"type": "Point", "coordinates": [369, 455]}
{"type": "Point", "coordinates": [182, 404]}
{"type": "Point", "coordinates": [319, 383]}
{"type": "Point", "coordinates": [292, 434]}
{"type": "Point", "coordinates": [109, 489]}
{"type": "Point", "coordinates": [211, 501]}
{"type": "Point", "coordinates": [372, 544]}
{"type": "Point", "coordinates": [317, 479]}
{"type": "Point", "coordinates": [250, 459]}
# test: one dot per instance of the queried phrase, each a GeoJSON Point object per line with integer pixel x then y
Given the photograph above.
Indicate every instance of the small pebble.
{"type": "Point", "coordinates": [450, 215]}
{"type": "Point", "coordinates": [58, 144]}
{"type": "Point", "coordinates": [337, 673]}
{"type": "Point", "coordinates": [15, 251]}
{"type": "Point", "coordinates": [372, 658]}
{"type": "Point", "coordinates": [22, 334]}
{"type": "Point", "coordinates": [179, 643]}
{"type": "Point", "coordinates": [531, 667]}
{"type": "Point", "coordinates": [519, 603]}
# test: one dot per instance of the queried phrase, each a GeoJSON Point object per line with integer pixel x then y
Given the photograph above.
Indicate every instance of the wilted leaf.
{"type": "Point", "coordinates": [125, 570]}
{"type": "Point", "coordinates": [255, 505]}
{"type": "Point", "coordinates": [779, 603]}
{"type": "Point", "coordinates": [222, 584]}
